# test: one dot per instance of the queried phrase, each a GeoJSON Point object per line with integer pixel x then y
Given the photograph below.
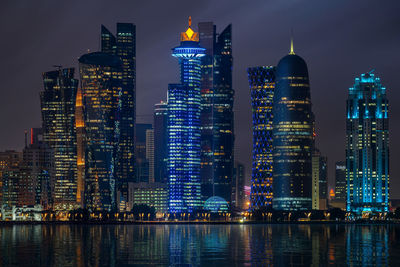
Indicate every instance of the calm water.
{"type": "Point", "coordinates": [199, 245]}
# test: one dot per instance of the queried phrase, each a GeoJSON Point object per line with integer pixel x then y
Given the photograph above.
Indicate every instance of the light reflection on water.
{"type": "Point", "coordinates": [199, 245]}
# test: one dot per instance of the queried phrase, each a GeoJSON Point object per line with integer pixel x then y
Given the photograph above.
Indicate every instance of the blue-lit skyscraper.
{"type": "Point", "coordinates": [184, 127]}
{"type": "Point", "coordinates": [262, 84]}
{"type": "Point", "coordinates": [367, 146]}
{"type": "Point", "coordinates": [293, 135]}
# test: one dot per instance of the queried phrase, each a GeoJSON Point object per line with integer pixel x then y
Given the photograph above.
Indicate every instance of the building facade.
{"type": "Point", "coordinates": [101, 85]}
{"type": "Point", "coordinates": [292, 135]}
{"type": "Point", "coordinates": [184, 132]}
{"type": "Point", "coordinates": [123, 45]}
{"type": "Point", "coordinates": [150, 194]}
{"type": "Point", "coordinates": [142, 161]}
{"type": "Point", "coordinates": [340, 181]}
{"type": "Point", "coordinates": [160, 142]}
{"type": "Point", "coordinates": [319, 181]}
{"type": "Point", "coordinates": [262, 84]}
{"type": "Point", "coordinates": [367, 146]}
{"type": "Point", "coordinates": [58, 117]}
{"type": "Point", "coordinates": [217, 120]}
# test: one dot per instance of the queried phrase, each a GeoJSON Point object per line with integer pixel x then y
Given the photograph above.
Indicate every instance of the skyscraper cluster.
{"type": "Point", "coordinates": [91, 153]}
{"type": "Point", "coordinates": [288, 172]}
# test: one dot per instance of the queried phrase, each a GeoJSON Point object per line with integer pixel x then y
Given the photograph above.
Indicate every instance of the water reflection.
{"type": "Point", "coordinates": [199, 245]}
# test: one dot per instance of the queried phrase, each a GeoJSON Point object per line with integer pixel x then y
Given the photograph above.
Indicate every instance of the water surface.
{"type": "Point", "coordinates": [199, 245]}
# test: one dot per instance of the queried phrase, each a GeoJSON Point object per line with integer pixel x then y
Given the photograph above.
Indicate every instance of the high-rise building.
{"type": "Point", "coordinates": [319, 181]}
{"type": "Point", "coordinates": [262, 84]}
{"type": "Point", "coordinates": [184, 133]}
{"type": "Point", "coordinates": [36, 171]}
{"type": "Point", "coordinates": [160, 142]}
{"type": "Point", "coordinates": [292, 135]}
{"type": "Point", "coordinates": [367, 146]}
{"type": "Point", "coordinates": [142, 162]}
{"type": "Point", "coordinates": [217, 122]}
{"type": "Point", "coordinates": [340, 181]}
{"type": "Point", "coordinates": [10, 162]}
{"type": "Point", "coordinates": [58, 117]}
{"type": "Point", "coordinates": [238, 196]}
{"type": "Point", "coordinates": [101, 85]}
{"type": "Point", "coordinates": [123, 45]}
{"type": "Point", "coordinates": [80, 149]}
{"type": "Point", "coordinates": [150, 153]}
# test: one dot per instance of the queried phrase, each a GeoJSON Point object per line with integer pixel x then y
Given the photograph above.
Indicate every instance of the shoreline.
{"type": "Point", "coordinates": [11, 223]}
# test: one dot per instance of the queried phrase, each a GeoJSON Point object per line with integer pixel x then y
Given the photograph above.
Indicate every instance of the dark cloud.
{"type": "Point", "coordinates": [338, 39]}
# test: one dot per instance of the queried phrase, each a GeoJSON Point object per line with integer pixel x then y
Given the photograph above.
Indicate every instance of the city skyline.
{"type": "Point", "coordinates": [331, 82]}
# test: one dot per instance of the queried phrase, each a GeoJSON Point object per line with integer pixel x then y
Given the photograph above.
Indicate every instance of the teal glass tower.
{"type": "Point", "coordinates": [184, 106]}
{"type": "Point", "coordinates": [367, 146]}
{"type": "Point", "coordinates": [292, 135]}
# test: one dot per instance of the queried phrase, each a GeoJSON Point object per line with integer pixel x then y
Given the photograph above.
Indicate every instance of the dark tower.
{"type": "Point", "coordinates": [123, 45]}
{"type": "Point", "coordinates": [217, 127]}
{"type": "Point", "coordinates": [292, 135]}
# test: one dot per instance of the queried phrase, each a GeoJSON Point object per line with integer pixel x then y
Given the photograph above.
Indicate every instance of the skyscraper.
{"type": "Point", "coordinates": [124, 46]}
{"type": "Point", "coordinates": [340, 181]}
{"type": "Point", "coordinates": [36, 171]}
{"type": "Point", "coordinates": [58, 117]}
{"type": "Point", "coordinates": [217, 127]}
{"type": "Point", "coordinates": [367, 146]}
{"type": "Point", "coordinates": [101, 84]}
{"type": "Point", "coordinates": [184, 134]}
{"type": "Point", "coordinates": [262, 84]}
{"type": "Point", "coordinates": [292, 135]}
{"type": "Point", "coordinates": [319, 181]}
{"type": "Point", "coordinates": [150, 153]}
{"type": "Point", "coordinates": [80, 149]}
{"type": "Point", "coordinates": [142, 162]}
{"type": "Point", "coordinates": [160, 142]}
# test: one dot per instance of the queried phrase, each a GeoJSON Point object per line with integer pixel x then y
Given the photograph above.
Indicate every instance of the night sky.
{"type": "Point", "coordinates": [338, 39]}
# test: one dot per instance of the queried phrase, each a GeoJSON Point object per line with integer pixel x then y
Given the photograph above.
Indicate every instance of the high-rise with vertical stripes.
{"type": "Point", "coordinates": [367, 146]}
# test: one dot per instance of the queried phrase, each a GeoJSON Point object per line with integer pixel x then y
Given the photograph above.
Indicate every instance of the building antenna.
{"type": "Point", "coordinates": [291, 43]}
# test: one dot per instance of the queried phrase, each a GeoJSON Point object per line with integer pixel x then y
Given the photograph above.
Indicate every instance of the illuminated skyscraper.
{"type": "Point", "coordinates": [160, 142]}
{"type": "Point", "coordinates": [292, 135]}
{"type": "Point", "coordinates": [367, 146]}
{"type": "Point", "coordinates": [340, 181]}
{"type": "Point", "coordinates": [80, 148]}
{"type": "Point", "coordinates": [101, 84]}
{"type": "Point", "coordinates": [262, 84]}
{"type": "Point", "coordinates": [124, 46]}
{"type": "Point", "coordinates": [184, 105]}
{"type": "Point", "coordinates": [58, 117]}
{"type": "Point", "coordinates": [217, 127]}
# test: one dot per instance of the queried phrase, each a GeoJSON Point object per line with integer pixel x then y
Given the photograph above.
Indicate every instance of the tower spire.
{"type": "Point", "coordinates": [291, 45]}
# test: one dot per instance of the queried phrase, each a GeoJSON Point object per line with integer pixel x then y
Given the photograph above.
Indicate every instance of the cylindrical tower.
{"type": "Point", "coordinates": [293, 135]}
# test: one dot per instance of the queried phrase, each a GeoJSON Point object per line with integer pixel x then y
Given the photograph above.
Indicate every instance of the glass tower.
{"type": "Point", "coordinates": [292, 135]}
{"type": "Point", "coordinates": [123, 45]}
{"type": "Point", "coordinates": [217, 127]}
{"type": "Point", "coordinates": [58, 118]}
{"type": "Point", "coordinates": [184, 127]}
{"type": "Point", "coordinates": [367, 146]}
{"type": "Point", "coordinates": [101, 85]}
{"type": "Point", "coordinates": [262, 84]}
{"type": "Point", "coordinates": [160, 141]}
